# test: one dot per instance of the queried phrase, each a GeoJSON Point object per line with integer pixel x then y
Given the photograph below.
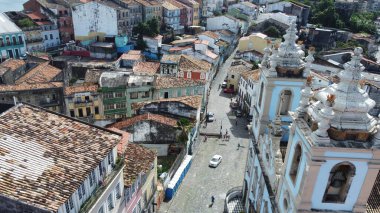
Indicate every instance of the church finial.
{"type": "Point", "coordinates": [325, 115]}
{"type": "Point", "coordinates": [306, 93]}
{"type": "Point", "coordinates": [309, 60]}
{"type": "Point", "coordinates": [265, 63]}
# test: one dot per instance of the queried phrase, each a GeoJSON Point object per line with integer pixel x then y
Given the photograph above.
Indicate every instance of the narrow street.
{"type": "Point", "coordinates": [202, 182]}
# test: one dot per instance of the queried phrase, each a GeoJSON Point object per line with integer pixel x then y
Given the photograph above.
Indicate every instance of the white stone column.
{"type": "Point", "coordinates": [325, 115]}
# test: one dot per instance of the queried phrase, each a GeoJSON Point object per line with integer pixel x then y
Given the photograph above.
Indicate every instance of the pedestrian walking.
{"type": "Point", "coordinates": [219, 86]}
{"type": "Point", "coordinates": [212, 199]}
{"type": "Point", "coordinates": [238, 146]}
{"type": "Point", "coordinates": [236, 122]}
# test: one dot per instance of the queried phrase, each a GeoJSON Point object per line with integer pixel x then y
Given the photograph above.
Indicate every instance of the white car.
{"type": "Point", "coordinates": [210, 117]}
{"type": "Point", "coordinates": [224, 84]}
{"type": "Point", "coordinates": [215, 161]}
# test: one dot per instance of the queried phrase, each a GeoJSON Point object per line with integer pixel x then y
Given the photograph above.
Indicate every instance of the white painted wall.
{"type": "Point", "coordinates": [94, 17]}
{"type": "Point", "coordinates": [222, 23]}
{"type": "Point", "coordinates": [51, 42]}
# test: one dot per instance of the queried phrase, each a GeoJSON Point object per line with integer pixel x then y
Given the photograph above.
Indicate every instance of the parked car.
{"type": "Point", "coordinates": [228, 90]}
{"type": "Point", "coordinates": [215, 161]}
{"type": "Point", "coordinates": [210, 117]}
{"type": "Point", "coordinates": [238, 113]}
{"type": "Point", "coordinates": [224, 84]}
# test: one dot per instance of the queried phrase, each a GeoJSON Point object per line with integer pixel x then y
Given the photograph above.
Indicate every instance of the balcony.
{"type": "Point", "coordinates": [83, 103]}
{"type": "Point", "coordinates": [233, 202]}
{"type": "Point", "coordinates": [100, 189]}
{"type": "Point", "coordinates": [35, 40]}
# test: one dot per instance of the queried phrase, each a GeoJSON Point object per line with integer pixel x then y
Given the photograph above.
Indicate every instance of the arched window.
{"type": "Point", "coordinates": [285, 100]}
{"type": "Point", "coordinates": [295, 163]}
{"type": "Point", "coordinates": [261, 94]}
{"type": "Point", "coordinates": [285, 204]}
{"type": "Point", "coordinates": [339, 183]}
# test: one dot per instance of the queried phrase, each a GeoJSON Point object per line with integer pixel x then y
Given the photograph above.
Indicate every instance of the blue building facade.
{"type": "Point", "coordinates": [12, 39]}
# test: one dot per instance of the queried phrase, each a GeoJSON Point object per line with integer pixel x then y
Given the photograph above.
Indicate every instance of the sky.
{"type": "Point", "coordinates": [11, 5]}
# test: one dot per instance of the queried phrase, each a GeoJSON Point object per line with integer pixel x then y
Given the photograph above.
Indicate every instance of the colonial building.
{"type": "Point", "coordinates": [83, 102]}
{"type": "Point", "coordinates": [248, 85]}
{"type": "Point", "coordinates": [233, 74]}
{"type": "Point", "coordinates": [74, 165]}
{"type": "Point", "coordinates": [12, 39]}
{"type": "Point", "coordinates": [331, 160]}
{"type": "Point", "coordinates": [172, 87]}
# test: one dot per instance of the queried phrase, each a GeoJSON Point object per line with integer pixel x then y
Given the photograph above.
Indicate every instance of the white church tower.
{"type": "Point", "coordinates": [333, 155]}
{"type": "Point", "coordinates": [283, 74]}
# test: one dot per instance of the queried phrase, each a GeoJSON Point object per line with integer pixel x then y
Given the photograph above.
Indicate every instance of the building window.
{"type": "Point", "coordinates": [80, 112]}
{"type": "Point", "coordinates": [109, 107]}
{"type": "Point", "coordinates": [46, 37]}
{"type": "Point", "coordinates": [83, 189]}
{"type": "Point", "coordinates": [88, 111]}
{"type": "Point", "coordinates": [134, 95]}
{"type": "Point", "coordinates": [110, 158]}
{"type": "Point", "coordinates": [295, 163]}
{"type": "Point", "coordinates": [118, 94]}
{"type": "Point", "coordinates": [145, 94]}
{"type": "Point", "coordinates": [339, 183]}
{"type": "Point", "coordinates": [232, 76]}
{"type": "Point", "coordinates": [285, 204]}
{"type": "Point", "coordinates": [67, 207]}
{"type": "Point", "coordinates": [285, 100]}
{"type": "Point", "coordinates": [261, 94]}
{"type": "Point", "coordinates": [87, 98]}
{"type": "Point", "coordinates": [108, 95]}
{"type": "Point", "coordinates": [166, 95]}
{"type": "Point", "coordinates": [72, 113]}
{"type": "Point", "coordinates": [110, 202]}
{"type": "Point", "coordinates": [188, 74]}
{"type": "Point", "coordinates": [120, 105]}
{"type": "Point", "coordinates": [71, 202]}
{"type": "Point", "coordinates": [8, 41]}
{"type": "Point", "coordinates": [20, 39]}
{"type": "Point", "coordinates": [80, 192]}
{"type": "Point", "coordinates": [91, 178]}
{"type": "Point", "coordinates": [101, 169]}
{"type": "Point", "coordinates": [118, 194]}
{"type": "Point", "coordinates": [96, 110]}
{"type": "Point", "coordinates": [203, 75]}
{"type": "Point", "coordinates": [101, 209]}
{"type": "Point", "coordinates": [14, 40]}
{"type": "Point", "coordinates": [1, 42]}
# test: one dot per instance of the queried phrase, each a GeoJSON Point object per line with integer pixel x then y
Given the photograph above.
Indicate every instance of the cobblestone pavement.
{"type": "Point", "coordinates": [202, 182]}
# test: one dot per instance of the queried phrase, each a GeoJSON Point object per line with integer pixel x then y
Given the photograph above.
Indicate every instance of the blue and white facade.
{"type": "Point", "coordinates": [331, 161]}
{"type": "Point", "coordinates": [12, 39]}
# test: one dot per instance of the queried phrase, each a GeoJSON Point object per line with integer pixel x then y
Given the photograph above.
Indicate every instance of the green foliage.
{"type": "Point", "coordinates": [326, 15]}
{"type": "Point", "coordinates": [237, 14]}
{"type": "Point", "coordinates": [272, 31]}
{"type": "Point", "coordinates": [149, 28]}
{"type": "Point", "coordinates": [363, 22]}
{"type": "Point", "coordinates": [141, 44]}
{"type": "Point", "coordinates": [217, 13]}
{"type": "Point", "coordinates": [25, 22]}
{"type": "Point", "coordinates": [185, 125]}
{"type": "Point", "coordinates": [183, 122]}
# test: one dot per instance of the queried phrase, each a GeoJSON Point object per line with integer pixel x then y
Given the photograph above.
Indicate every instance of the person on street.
{"type": "Point", "coordinates": [212, 199]}
{"type": "Point", "coordinates": [238, 146]}
{"type": "Point", "coordinates": [219, 86]}
{"type": "Point", "coordinates": [236, 122]}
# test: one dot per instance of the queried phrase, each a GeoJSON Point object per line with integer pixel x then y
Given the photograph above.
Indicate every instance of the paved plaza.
{"type": "Point", "coordinates": [202, 182]}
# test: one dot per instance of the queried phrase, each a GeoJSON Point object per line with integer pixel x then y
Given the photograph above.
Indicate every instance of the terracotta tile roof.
{"type": "Point", "coordinates": [238, 69]}
{"type": "Point", "coordinates": [174, 49]}
{"type": "Point", "coordinates": [373, 203]}
{"type": "Point", "coordinates": [26, 86]}
{"type": "Point", "coordinates": [211, 54]}
{"type": "Point", "coordinates": [192, 101]}
{"type": "Point", "coordinates": [190, 63]}
{"type": "Point", "coordinates": [132, 55]}
{"type": "Point", "coordinates": [170, 58]}
{"type": "Point", "coordinates": [40, 74]}
{"type": "Point", "coordinates": [76, 89]}
{"type": "Point", "coordinates": [254, 75]}
{"type": "Point", "coordinates": [138, 160]}
{"type": "Point", "coordinates": [210, 34]}
{"type": "Point", "coordinates": [92, 76]}
{"type": "Point", "coordinates": [221, 43]}
{"type": "Point", "coordinates": [11, 64]}
{"type": "Point", "coordinates": [167, 5]}
{"type": "Point", "coordinates": [163, 82]}
{"type": "Point", "coordinates": [45, 156]}
{"type": "Point", "coordinates": [226, 32]}
{"type": "Point", "coordinates": [205, 42]}
{"type": "Point", "coordinates": [186, 40]}
{"type": "Point", "coordinates": [148, 3]}
{"type": "Point", "coordinates": [149, 68]}
{"type": "Point", "coordinates": [147, 116]}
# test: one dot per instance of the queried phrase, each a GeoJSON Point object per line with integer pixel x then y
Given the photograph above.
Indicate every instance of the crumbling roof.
{"type": "Point", "coordinates": [137, 160]}
{"type": "Point", "coordinates": [163, 82]}
{"type": "Point", "coordinates": [11, 64]}
{"type": "Point", "coordinates": [238, 69]}
{"type": "Point", "coordinates": [149, 68]}
{"type": "Point", "coordinates": [225, 32]}
{"type": "Point", "coordinates": [39, 74]}
{"type": "Point", "coordinates": [210, 34]}
{"type": "Point", "coordinates": [26, 86]}
{"type": "Point", "coordinates": [190, 63]}
{"type": "Point", "coordinates": [148, 3]}
{"type": "Point", "coordinates": [147, 116]}
{"type": "Point", "coordinates": [192, 101]}
{"type": "Point", "coordinates": [45, 156]}
{"type": "Point", "coordinates": [92, 76]}
{"type": "Point", "coordinates": [132, 55]}
{"type": "Point", "coordinates": [170, 58]}
{"type": "Point", "coordinates": [75, 89]}
{"type": "Point", "coordinates": [254, 75]}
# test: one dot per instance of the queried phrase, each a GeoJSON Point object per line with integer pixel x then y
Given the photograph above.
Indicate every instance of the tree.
{"type": "Point", "coordinates": [363, 22]}
{"type": "Point", "coordinates": [149, 28]}
{"type": "Point", "coordinates": [185, 126]}
{"type": "Point", "coordinates": [141, 44]}
{"type": "Point", "coordinates": [272, 31]}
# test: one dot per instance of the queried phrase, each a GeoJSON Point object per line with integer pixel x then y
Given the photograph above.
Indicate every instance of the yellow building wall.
{"type": "Point", "coordinates": [255, 43]}
{"type": "Point", "coordinates": [195, 15]}
{"type": "Point", "coordinates": [233, 81]}
{"type": "Point", "coordinates": [83, 106]}
{"type": "Point", "coordinates": [91, 36]}
{"type": "Point", "coordinates": [152, 178]}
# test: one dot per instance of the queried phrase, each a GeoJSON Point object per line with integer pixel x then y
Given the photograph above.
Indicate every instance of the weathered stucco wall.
{"type": "Point", "coordinates": [174, 108]}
